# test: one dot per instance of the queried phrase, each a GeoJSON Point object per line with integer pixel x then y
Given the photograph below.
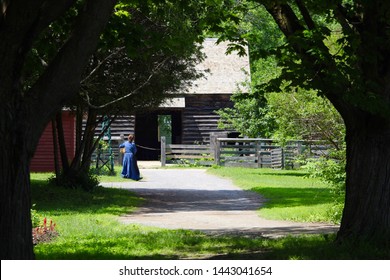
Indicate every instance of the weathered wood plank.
{"type": "Point", "coordinates": [188, 157]}
{"type": "Point", "coordinates": [180, 146]}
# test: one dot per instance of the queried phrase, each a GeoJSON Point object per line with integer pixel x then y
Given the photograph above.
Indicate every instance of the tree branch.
{"type": "Point", "coordinates": [354, 20]}
{"type": "Point", "coordinates": [100, 64]}
{"type": "Point", "coordinates": [306, 15]}
{"type": "Point", "coordinates": [285, 18]}
{"type": "Point", "coordinates": [146, 82]}
{"type": "Point", "coordinates": [341, 15]}
{"type": "Point", "coordinates": [61, 80]}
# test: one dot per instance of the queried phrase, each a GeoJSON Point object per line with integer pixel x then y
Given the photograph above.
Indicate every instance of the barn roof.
{"type": "Point", "coordinates": [222, 72]}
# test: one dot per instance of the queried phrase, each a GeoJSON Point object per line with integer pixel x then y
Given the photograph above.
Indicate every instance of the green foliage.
{"type": "Point", "coordinates": [291, 112]}
{"type": "Point", "coordinates": [331, 170]}
{"type": "Point", "coordinates": [148, 45]}
{"type": "Point", "coordinates": [302, 114]}
{"type": "Point", "coordinates": [35, 218]}
{"type": "Point", "coordinates": [249, 116]}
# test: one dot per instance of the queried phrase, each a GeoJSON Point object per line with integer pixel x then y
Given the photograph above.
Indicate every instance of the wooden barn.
{"type": "Point", "coordinates": [191, 117]}
{"type": "Point", "coordinates": [43, 160]}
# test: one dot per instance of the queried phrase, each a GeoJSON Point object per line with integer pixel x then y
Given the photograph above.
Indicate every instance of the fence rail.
{"type": "Point", "coordinates": [249, 152]}
{"type": "Point", "coordinates": [185, 153]}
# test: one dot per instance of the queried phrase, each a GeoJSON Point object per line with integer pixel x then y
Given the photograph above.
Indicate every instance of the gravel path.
{"type": "Point", "coordinates": [193, 199]}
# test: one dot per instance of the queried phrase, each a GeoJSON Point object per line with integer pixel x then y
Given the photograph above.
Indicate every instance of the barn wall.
{"type": "Point", "coordinates": [43, 160]}
{"type": "Point", "coordinates": [199, 117]}
{"type": "Point", "coordinates": [122, 125]}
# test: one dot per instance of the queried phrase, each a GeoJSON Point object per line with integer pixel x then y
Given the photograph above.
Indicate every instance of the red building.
{"type": "Point", "coordinates": [43, 160]}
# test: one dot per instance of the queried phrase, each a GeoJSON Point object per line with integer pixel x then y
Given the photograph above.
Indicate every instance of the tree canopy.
{"type": "Point", "coordinates": [341, 49]}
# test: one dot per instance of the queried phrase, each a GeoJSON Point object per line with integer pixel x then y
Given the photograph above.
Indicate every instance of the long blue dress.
{"type": "Point", "coordinates": [130, 168]}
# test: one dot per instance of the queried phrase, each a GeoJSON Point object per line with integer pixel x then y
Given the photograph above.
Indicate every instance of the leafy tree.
{"type": "Point", "coordinates": [354, 74]}
{"type": "Point", "coordinates": [302, 114]}
{"type": "Point", "coordinates": [341, 48]}
{"type": "Point", "coordinates": [119, 80]}
{"type": "Point", "coordinates": [249, 116]}
{"type": "Point", "coordinates": [294, 113]}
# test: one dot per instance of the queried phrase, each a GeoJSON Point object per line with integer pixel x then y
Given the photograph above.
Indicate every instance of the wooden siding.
{"type": "Point", "coordinates": [122, 126]}
{"type": "Point", "coordinates": [43, 160]}
{"type": "Point", "coordinates": [200, 119]}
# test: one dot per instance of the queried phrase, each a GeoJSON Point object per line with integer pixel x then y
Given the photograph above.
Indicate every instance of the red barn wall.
{"type": "Point", "coordinates": [43, 160]}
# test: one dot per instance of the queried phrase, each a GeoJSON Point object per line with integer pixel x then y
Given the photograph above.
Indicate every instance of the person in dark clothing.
{"type": "Point", "coordinates": [130, 167]}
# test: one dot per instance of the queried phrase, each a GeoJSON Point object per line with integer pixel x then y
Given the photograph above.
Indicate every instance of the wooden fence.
{"type": "Point", "coordinates": [248, 152]}
{"type": "Point", "coordinates": [177, 153]}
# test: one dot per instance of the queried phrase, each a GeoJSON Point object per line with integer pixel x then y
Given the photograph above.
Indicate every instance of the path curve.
{"type": "Point", "coordinates": [195, 200]}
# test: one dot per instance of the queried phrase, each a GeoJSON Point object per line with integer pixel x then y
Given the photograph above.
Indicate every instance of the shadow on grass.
{"type": "Point", "coordinates": [314, 247]}
{"type": "Point", "coordinates": [171, 245]}
{"type": "Point", "coordinates": [138, 243]}
{"type": "Point", "coordinates": [62, 201]}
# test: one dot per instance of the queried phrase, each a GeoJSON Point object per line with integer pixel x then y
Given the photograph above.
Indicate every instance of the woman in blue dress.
{"type": "Point", "coordinates": [130, 168]}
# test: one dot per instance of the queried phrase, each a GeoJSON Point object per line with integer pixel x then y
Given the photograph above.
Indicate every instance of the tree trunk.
{"type": "Point", "coordinates": [57, 168]}
{"type": "Point", "coordinates": [23, 116]}
{"type": "Point", "coordinates": [15, 201]}
{"type": "Point", "coordinates": [366, 215]}
{"type": "Point", "coordinates": [84, 149]}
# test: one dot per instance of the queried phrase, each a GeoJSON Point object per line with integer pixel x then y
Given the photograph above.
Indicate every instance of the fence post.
{"type": "Point", "coordinates": [163, 156]}
{"type": "Point", "coordinates": [213, 144]}
{"type": "Point", "coordinates": [217, 152]}
{"type": "Point", "coordinates": [299, 147]}
{"type": "Point", "coordinates": [258, 153]}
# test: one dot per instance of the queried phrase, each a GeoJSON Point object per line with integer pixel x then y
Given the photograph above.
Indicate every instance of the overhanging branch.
{"type": "Point", "coordinates": [87, 99]}
{"type": "Point", "coordinates": [305, 14]}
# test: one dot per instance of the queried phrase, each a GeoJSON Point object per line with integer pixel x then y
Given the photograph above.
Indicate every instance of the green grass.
{"type": "Point", "coordinates": [89, 229]}
{"type": "Point", "coordinates": [289, 195]}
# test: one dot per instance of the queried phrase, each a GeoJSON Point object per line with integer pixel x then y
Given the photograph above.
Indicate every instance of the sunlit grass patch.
{"type": "Point", "coordinates": [288, 194]}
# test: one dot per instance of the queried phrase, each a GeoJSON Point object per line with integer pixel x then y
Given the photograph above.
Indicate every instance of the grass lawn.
{"type": "Point", "coordinates": [88, 229]}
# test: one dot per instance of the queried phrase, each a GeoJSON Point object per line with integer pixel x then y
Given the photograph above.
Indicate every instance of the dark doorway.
{"type": "Point", "coordinates": [150, 127]}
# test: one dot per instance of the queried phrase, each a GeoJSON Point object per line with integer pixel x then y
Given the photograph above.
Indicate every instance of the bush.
{"type": "Point", "coordinates": [331, 170]}
{"type": "Point", "coordinates": [85, 180]}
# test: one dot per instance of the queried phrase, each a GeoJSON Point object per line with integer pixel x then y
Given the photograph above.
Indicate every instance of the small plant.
{"type": "Point", "coordinates": [44, 233]}
{"type": "Point", "coordinates": [34, 217]}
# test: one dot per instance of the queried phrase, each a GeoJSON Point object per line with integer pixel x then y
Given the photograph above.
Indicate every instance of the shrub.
{"type": "Point", "coordinates": [85, 180]}
{"type": "Point", "coordinates": [331, 170]}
